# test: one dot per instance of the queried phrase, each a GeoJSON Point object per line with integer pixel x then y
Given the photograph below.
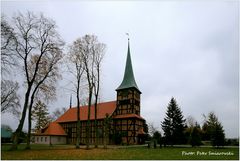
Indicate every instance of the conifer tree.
{"type": "Point", "coordinates": [157, 137]}
{"type": "Point", "coordinates": [195, 136]}
{"type": "Point", "coordinates": [40, 115]}
{"type": "Point", "coordinates": [173, 124]}
{"type": "Point", "coordinates": [218, 137]}
{"type": "Point", "coordinates": [215, 130]}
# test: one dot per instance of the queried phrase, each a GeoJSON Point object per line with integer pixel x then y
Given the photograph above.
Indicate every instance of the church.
{"type": "Point", "coordinates": [126, 121]}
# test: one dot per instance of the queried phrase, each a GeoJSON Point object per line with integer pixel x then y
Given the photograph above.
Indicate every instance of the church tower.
{"type": "Point", "coordinates": [128, 93]}
{"type": "Point", "coordinates": [126, 117]}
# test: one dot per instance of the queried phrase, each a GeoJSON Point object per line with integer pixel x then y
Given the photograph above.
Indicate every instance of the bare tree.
{"type": "Point", "coordinates": [57, 113]}
{"type": "Point", "coordinates": [76, 59]}
{"type": "Point", "coordinates": [9, 98]}
{"type": "Point", "coordinates": [44, 87]}
{"type": "Point", "coordinates": [90, 48]}
{"type": "Point", "coordinates": [84, 48]}
{"type": "Point", "coordinates": [190, 121]}
{"type": "Point", "coordinates": [36, 39]}
{"type": "Point", "coordinates": [98, 50]}
{"type": "Point", "coordinates": [85, 56]}
{"type": "Point", "coordinates": [151, 128]}
{"type": "Point", "coordinates": [8, 57]}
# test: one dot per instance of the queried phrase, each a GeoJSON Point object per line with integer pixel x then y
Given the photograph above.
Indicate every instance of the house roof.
{"type": "Point", "coordinates": [128, 79]}
{"type": "Point", "coordinates": [52, 129]}
{"type": "Point", "coordinates": [102, 110]}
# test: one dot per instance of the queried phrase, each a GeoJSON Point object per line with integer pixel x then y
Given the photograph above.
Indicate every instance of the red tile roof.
{"type": "Point", "coordinates": [128, 116]}
{"type": "Point", "coordinates": [53, 129]}
{"type": "Point", "coordinates": [102, 109]}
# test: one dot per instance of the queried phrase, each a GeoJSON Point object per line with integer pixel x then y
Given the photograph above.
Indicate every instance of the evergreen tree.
{"type": "Point", "coordinates": [206, 132]}
{"type": "Point", "coordinates": [218, 137]}
{"type": "Point", "coordinates": [173, 124]}
{"type": "Point", "coordinates": [145, 129]}
{"type": "Point", "coordinates": [214, 129]}
{"type": "Point", "coordinates": [40, 115]}
{"type": "Point", "coordinates": [157, 137]}
{"type": "Point", "coordinates": [195, 136]}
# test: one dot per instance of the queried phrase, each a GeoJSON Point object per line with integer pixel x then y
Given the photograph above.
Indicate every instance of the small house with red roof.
{"type": "Point", "coordinates": [126, 121]}
{"type": "Point", "coordinates": [52, 134]}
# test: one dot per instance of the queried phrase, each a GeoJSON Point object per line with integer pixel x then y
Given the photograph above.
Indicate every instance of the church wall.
{"type": "Point", "coordinates": [127, 127]}
{"type": "Point", "coordinates": [128, 102]}
{"type": "Point", "coordinates": [71, 130]}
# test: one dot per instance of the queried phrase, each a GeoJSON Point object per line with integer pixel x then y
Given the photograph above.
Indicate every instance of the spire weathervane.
{"type": "Point", "coordinates": [128, 78]}
{"type": "Point", "coordinates": [127, 35]}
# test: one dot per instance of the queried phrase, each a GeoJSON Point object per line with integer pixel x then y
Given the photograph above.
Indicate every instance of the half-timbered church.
{"type": "Point", "coordinates": [126, 121]}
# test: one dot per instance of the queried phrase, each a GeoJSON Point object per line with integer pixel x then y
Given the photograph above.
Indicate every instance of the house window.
{"type": "Point", "coordinates": [37, 139]}
{"type": "Point", "coordinates": [45, 139]}
{"type": "Point", "coordinates": [59, 138]}
{"type": "Point", "coordinates": [41, 139]}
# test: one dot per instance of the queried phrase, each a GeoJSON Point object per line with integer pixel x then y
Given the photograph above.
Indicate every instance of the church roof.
{"type": "Point", "coordinates": [103, 108]}
{"type": "Point", "coordinates": [128, 79]}
{"type": "Point", "coordinates": [52, 129]}
{"type": "Point", "coordinates": [128, 116]}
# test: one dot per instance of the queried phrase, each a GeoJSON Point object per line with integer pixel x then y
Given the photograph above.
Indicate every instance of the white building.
{"type": "Point", "coordinates": [52, 134]}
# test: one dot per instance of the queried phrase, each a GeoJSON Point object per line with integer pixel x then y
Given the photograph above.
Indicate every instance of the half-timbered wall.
{"type": "Point", "coordinates": [128, 128]}
{"type": "Point", "coordinates": [128, 102]}
{"type": "Point", "coordinates": [71, 130]}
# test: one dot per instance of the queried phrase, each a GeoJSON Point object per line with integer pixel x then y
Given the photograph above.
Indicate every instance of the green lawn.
{"type": "Point", "coordinates": [42, 152]}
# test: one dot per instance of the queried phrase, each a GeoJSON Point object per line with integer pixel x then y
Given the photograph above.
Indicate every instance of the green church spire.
{"type": "Point", "coordinates": [128, 79]}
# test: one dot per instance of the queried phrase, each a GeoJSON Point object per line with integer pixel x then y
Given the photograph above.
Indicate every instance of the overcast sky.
{"type": "Point", "coordinates": [187, 50]}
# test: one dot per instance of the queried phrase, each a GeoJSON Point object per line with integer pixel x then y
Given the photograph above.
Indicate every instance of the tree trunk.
{"type": "Point", "coordinates": [78, 118]}
{"type": "Point", "coordinates": [29, 128]}
{"type": "Point", "coordinates": [95, 125]}
{"type": "Point", "coordinates": [88, 122]}
{"type": "Point", "coordinates": [106, 135]}
{"type": "Point", "coordinates": [20, 125]}
{"type": "Point", "coordinates": [95, 106]}
{"type": "Point", "coordinates": [104, 138]}
{"type": "Point", "coordinates": [50, 140]}
{"type": "Point", "coordinates": [30, 120]}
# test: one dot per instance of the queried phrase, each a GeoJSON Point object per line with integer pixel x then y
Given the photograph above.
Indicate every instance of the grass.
{"type": "Point", "coordinates": [68, 152]}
